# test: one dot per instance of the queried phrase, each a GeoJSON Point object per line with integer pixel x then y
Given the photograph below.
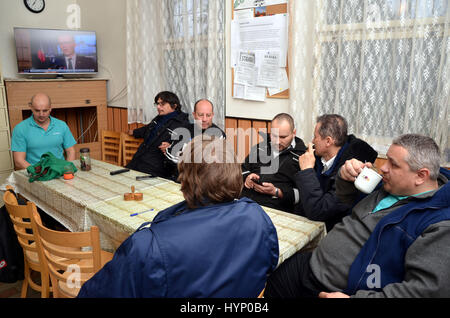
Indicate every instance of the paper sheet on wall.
{"type": "Point", "coordinates": [246, 71]}
{"type": "Point", "coordinates": [283, 83]}
{"type": "Point", "coordinates": [244, 4]}
{"type": "Point", "coordinates": [264, 33]}
{"type": "Point", "coordinates": [243, 14]}
{"type": "Point", "coordinates": [268, 69]}
{"type": "Point", "coordinates": [255, 93]}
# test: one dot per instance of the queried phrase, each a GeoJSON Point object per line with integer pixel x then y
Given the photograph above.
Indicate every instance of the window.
{"type": "Point", "coordinates": [383, 64]}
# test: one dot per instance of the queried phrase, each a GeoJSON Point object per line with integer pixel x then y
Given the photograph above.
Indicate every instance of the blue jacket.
{"type": "Point", "coordinates": [221, 250]}
{"type": "Point", "coordinates": [391, 238]}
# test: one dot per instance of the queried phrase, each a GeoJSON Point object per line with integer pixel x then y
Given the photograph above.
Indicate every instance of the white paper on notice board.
{"type": "Point", "coordinates": [264, 33]}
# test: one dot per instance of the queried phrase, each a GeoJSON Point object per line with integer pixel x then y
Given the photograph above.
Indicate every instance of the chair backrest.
{"type": "Point", "coordinates": [111, 147]}
{"type": "Point", "coordinates": [21, 218]}
{"type": "Point", "coordinates": [71, 257]}
{"type": "Point", "coordinates": [130, 145]}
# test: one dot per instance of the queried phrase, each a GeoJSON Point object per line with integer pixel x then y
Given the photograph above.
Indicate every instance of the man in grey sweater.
{"type": "Point", "coordinates": [396, 243]}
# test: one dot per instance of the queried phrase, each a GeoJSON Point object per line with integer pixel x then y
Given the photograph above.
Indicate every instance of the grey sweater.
{"type": "Point", "coordinates": [427, 261]}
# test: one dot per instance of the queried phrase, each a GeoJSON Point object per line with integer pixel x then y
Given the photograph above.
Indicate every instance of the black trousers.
{"type": "Point", "coordinates": [293, 279]}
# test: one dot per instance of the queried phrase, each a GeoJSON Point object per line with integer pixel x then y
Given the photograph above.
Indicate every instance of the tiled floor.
{"type": "Point", "coordinates": [13, 290]}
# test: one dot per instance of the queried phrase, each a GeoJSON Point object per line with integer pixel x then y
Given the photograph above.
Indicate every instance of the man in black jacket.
{"type": "Point", "coordinates": [149, 158]}
{"type": "Point", "coordinates": [203, 124]}
{"type": "Point", "coordinates": [319, 167]}
{"type": "Point", "coordinates": [270, 167]}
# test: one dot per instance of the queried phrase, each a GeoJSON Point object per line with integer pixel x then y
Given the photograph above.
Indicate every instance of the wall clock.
{"type": "Point", "coordinates": [35, 6]}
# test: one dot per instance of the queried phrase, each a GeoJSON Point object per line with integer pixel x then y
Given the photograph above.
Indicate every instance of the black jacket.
{"type": "Point", "coordinates": [318, 200]}
{"type": "Point", "coordinates": [149, 158]}
{"type": "Point", "coordinates": [173, 152]}
{"type": "Point", "coordinates": [282, 178]}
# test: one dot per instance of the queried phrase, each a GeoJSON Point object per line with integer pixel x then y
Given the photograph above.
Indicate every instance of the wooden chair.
{"type": "Point", "coordinates": [130, 145]}
{"type": "Point", "coordinates": [111, 147]}
{"type": "Point", "coordinates": [69, 269]}
{"type": "Point", "coordinates": [21, 218]}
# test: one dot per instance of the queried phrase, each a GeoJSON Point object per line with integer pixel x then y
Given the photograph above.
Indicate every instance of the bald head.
{"type": "Point", "coordinates": [40, 105]}
{"type": "Point", "coordinates": [203, 113]}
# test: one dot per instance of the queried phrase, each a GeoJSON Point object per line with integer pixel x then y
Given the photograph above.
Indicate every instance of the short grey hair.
{"type": "Point", "coordinates": [423, 152]}
{"type": "Point", "coordinates": [335, 126]}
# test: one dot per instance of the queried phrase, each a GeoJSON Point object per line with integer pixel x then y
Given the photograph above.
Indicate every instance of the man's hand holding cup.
{"type": "Point", "coordinates": [364, 175]}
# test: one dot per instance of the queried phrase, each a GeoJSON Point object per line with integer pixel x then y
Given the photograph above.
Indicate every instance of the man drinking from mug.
{"type": "Point", "coordinates": [395, 243]}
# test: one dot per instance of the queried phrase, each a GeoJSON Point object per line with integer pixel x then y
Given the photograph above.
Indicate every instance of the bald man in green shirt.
{"type": "Point", "coordinates": [39, 134]}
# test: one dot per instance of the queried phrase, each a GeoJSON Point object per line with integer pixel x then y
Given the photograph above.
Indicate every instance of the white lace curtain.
{"type": "Point", "coordinates": [382, 64]}
{"type": "Point", "coordinates": [175, 45]}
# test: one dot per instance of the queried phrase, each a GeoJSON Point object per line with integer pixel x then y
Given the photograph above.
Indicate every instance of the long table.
{"type": "Point", "coordinates": [96, 198]}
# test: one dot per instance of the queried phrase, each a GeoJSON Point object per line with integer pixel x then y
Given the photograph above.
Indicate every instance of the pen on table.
{"type": "Point", "coordinates": [137, 213]}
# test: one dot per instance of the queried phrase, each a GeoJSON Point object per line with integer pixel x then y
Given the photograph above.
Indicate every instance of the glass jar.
{"type": "Point", "coordinates": [85, 159]}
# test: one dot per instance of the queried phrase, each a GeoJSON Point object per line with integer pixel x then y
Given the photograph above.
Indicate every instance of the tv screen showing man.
{"type": "Point", "coordinates": [55, 51]}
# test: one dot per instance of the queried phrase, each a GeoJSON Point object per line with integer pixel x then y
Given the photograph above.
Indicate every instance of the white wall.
{"type": "Point", "coordinates": [242, 108]}
{"type": "Point", "coordinates": [14, 14]}
{"type": "Point", "coordinates": [106, 17]}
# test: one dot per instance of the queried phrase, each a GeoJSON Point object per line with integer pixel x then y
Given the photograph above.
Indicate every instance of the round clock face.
{"type": "Point", "coordinates": [35, 6]}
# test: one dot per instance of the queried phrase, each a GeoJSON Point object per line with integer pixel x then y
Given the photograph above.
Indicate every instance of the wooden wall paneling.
{"type": "Point", "coordinates": [132, 126]}
{"type": "Point", "coordinates": [230, 131]}
{"type": "Point", "coordinates": [110, 116]}
{"type": "Point", "coordinates": [116, 119]}
{"type": "Point", "coordinates": [244, 138]}
{"type": "Point", "coordinates": [259, 126]}
{"type": "Point", "coordinates": [124, 119]}
{"type": "Point", "coordinates": [71, 120]}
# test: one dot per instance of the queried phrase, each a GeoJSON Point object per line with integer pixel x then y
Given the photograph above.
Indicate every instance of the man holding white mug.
{"type": "Point", "coordinates": [396, 243]}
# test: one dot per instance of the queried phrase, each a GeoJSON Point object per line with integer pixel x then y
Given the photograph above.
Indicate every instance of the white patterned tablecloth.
{"type": "Point", "coordinates": [96, 198]}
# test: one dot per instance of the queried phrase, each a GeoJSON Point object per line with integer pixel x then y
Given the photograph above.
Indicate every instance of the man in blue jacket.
{"type": "Point", "coordinates": [211, 245]}
{"type": "Point", "coordinates": [396, 243]}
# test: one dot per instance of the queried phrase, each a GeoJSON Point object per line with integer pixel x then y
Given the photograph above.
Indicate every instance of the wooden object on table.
{"type": "Point", "coordinates": [128, 196]}
{"type": "Point", "coordinates": [61, 262]}
{"type": "Point", "coordinates": [81, 103]}
{"type": "Point", "coordinates": [130, 145]}
{"type": "Point", "coordinates": [138, 196]}
{"type": "Point", "coordinates": [112, 147]}
{"type": "Point", "coordinates": [21, 218]}
{"type": "Point", "coordinates": [133, 195]}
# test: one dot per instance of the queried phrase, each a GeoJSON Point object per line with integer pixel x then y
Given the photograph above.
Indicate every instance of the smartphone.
{"type": "Point", "coordinates": [258, 181]}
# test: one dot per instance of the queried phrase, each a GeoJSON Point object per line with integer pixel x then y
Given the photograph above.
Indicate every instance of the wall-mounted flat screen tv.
{"type": "Point", "coordinates": [46, 51]}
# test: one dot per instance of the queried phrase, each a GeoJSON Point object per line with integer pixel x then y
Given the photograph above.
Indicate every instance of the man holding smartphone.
{"type": "Point", "coordinates": [270, 167]}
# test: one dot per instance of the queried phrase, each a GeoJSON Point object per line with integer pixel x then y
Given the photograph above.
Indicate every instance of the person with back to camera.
{"type": "Point", "coordinates": [150, 158]}
{"type": "Point", "coordinates": [396, 243]}
{"type": "Point", "coordinates": [210, 245]}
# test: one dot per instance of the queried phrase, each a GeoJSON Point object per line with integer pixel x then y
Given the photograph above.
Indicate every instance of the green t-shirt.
{"type": "Point", "coordinates": [32, 139]}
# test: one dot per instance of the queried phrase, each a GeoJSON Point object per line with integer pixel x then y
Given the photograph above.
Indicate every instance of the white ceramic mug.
{"type": "Point", "coordinates": [367, 180]}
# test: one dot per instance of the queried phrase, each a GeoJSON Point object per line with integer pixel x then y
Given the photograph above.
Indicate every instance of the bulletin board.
{"type": "Point", "coordinates": [270, 10]}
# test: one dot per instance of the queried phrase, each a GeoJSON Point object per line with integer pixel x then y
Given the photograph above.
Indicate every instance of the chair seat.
{"type": "Point", "coordinates": [33, 257]}
{"type": "Point", "coordinates": [73, 289]}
